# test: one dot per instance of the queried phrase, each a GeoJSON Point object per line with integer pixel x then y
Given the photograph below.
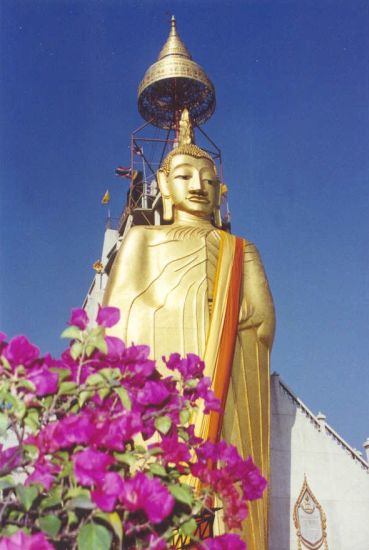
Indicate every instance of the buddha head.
{"type": "Point", "coordinates": [189, 183]}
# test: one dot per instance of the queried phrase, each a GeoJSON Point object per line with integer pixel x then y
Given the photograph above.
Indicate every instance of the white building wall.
{"type": "Point", "coordinates": [301, 445]}
{"type": "Point", "coordinates": [96, 292]}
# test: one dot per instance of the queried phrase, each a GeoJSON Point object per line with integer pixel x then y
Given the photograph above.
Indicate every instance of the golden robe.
{"type": "Point", "coordinates": [173, 284]}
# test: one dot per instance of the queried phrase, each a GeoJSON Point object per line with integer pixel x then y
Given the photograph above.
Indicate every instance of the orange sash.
{"type": "Point", "coordinates": [227, 341]}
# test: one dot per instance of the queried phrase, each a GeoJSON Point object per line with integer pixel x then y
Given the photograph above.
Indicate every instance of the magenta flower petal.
{"type": "Point", "coordinates": [108, 316]}
{"type": "Point", "coordinates": [115, 347]}
{"type": "Point", "coordinates": [79, 318]}
{"type": "Point", "coordinates": [44, 473]}
{"type": "Point", "coordinates": [9, 459]}
{"type": "Point", "coordinates": [108, 491]}
{"type": "Point", "coordinates": [21, 541]}
{"type": "Point", "coordinates": [224, 542]}
{"type": "Point", "coordinates": [149, 495]}
{"type": "Point", "coordinates": [45, 381]}
{"type": "Point", "coordinates": [90, 466]}
{"type": "Point", "coordinates": [20, 351]}
{"type": "Point", "coordinates": [152, 393]}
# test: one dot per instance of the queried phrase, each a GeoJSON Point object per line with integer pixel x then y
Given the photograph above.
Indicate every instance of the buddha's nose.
{"type": "Point", "coordinates": [196, 183]}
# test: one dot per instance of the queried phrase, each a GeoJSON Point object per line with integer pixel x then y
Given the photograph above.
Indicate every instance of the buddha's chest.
{"type": "Point", "coordinates": [186, 259]}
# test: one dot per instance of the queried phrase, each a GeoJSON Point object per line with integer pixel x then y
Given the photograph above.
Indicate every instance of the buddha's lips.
{"type": "Point", "coordinates": [198, 198]}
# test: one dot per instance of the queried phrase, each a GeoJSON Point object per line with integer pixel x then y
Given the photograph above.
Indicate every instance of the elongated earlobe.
{"type": "Point", "coordinates": [216, 212]}
{"type": "Point", "coordinates": [167, 209]}
{"type": "Point", "coordinates": [217, 217]}
{"type": "Point", "coordinates": [165, 195]}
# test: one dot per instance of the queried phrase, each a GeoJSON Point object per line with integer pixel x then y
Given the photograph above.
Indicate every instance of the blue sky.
{"type": "Point", "coordinates": [292, 122]}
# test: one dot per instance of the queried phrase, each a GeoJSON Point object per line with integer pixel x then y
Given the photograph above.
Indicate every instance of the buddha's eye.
{"type": "Point", "coordinates": [182, 176]}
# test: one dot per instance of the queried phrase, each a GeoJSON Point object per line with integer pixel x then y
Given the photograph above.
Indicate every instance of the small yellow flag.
{"type": "Point", "coordinates": [106, 198]}
{"type": "Point", "coordinates": [223, 189]}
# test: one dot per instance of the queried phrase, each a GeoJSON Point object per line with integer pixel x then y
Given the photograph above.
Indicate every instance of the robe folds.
{"type": "Point", "coordinates": [197, 289]}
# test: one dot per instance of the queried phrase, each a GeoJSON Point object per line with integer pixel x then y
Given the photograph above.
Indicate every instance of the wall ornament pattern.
{"type": "Point", "coordinates": [310, 521]}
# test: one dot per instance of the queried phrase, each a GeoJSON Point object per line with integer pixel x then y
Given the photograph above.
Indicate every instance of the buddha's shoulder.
{"type": "Point", "coordinates": [145, 234]}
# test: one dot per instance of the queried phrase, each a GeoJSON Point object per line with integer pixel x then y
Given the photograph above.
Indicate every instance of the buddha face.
{"type": "Point", "coordinates": [193, 185]}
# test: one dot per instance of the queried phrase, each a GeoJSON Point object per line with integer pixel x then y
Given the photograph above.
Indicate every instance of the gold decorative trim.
{"type": "Point", "coordinates": [308, 503]}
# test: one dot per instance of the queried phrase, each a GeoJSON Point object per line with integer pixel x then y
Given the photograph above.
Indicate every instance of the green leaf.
{"type": "Point", "coordinates": [95, 331]}
{"type": "Point", "coordinates": [84, 396]}
{"type": "Point", "coordinates": [50, 525]}
{"type": "Point", "coordinates": [61, 372]}
{"type": "Point", "coordinates": [182, 493]}
{"type": "Point", "coordinates": [184, 435]}
{"type": "Point", "coordinates": [90, 348]}
{"type": "Point", "coordinates": [27, 495]}
{"type": "Point", "coordinates": [4, 423]}
{"type": "Point", "coordinates": [71, 332]}
{"type": "Point", "coordinates": [111, 374]}
{"type": "Point", "coordinates": [76, 350]}
{"type": "Point", "coordinates": [32, 451]}
{"type": "Point", "coordinates": [32, 419]}
{"type": "Point", "coordinates": [192, 383]}
{"type": "Point", "coordinates": [114, 521]}
{"type": "Point", "coordinates": [101, 345]}
{"type": "Point", "coordinates": [126, 458]}
{"type": "Point", "coordinates": [7, 482]}
{"type": "Point", "coordinates": [53, 499]}
{"type": "Point", "coordinates": [158, 470]}
{"type": "Point", "coordinates": [19, 409]}
{"type": "Point", "coordinates": [11, 529]}
{"type": "Point", "coordinates": [95, 379]}
{"type": "Point", "coordinates": [155, 451]}
{"type": "Point", "coordinates": [27, 385]}
{"type": "Point", "coordinates": [80, 498]}
{"type": "Point", "coordinates": [163, 424]}
{"type": "Point", "coordinates": [67, 388]}
{"type": "Point", "coordinates": [72, 518]}
{"type": "Point", "coordinates": [94, 536]}
{"type": "Point", "coordinates": [124, 397]}
{"type": "Point", "coordinates": [184, 416]}
{"type": "Point", "coordinates": [5, 363]}
{"type": "Point", "coordinates": [104, 392]}
{"type": "Point", "coordinates": [189, 527]}
{"type": "Point", "coordinates": [81, 502]}
{"type": "Point", "coordinates": [77, 492]}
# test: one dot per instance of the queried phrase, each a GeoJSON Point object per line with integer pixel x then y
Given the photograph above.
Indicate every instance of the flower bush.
{"type": "Point", "coordinates": [98, 447]}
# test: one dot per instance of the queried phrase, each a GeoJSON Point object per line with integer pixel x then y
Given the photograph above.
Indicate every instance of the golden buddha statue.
{"type": "Point", "coordinates": [191, 287]}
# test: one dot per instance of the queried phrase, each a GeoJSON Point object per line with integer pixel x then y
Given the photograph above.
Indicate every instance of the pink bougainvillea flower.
{"type": "Point", "coordinates": [108, 490]}
{"type": "Point", "coordinates": [79, 318]}
{"type": "Point", "coordinates": [253, 483]}
{"type": "Point", "coordinates": [152, 393]}
{"type": "Point", "coordinates": [190, 366]}
{"type": "Point", "coordinates": [223, 542]}
{"type": "Point", "coordinates": [44, 473]}
{"type": "Point", "coordinates": [90, 466]}
{"type": "Point", "coordinates": [9, 459]}
{"type": "Point", "coordinates": [21, 541]}
{"type": "Point", "coordinates": [115, 347]}
{"type": "Point", "coordinates": [20, 351]}
{"type": "Point", "coordinates": [108, 316]}
{"type": "Point", "coordinates": [2, 337]}
{"type": "Point", "coordinates": [112, 434]}
{"type": "Point", "coordinates": [173, 450]}
{"type": "Point", "coordinates": [149, 495]}
{"type": "Point", "coordinates": [203, 391]}
{"type": "Point", "coordinates": [75, 429]}
{"type": "Point", "coordinates": [45, 381]}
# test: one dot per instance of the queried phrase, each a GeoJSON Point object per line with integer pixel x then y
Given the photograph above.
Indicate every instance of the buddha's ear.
{"type": "Point", "coordinates": [216, 211]}
{"type": "Point", "coordinates": [165, 195]}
